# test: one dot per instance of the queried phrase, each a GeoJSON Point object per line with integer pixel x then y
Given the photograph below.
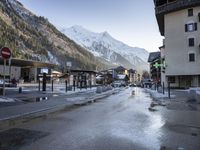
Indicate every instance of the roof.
{"type": "Point", "coordinates": [132, 71]}
{"type": "Point", "coordinates": [56, 72]}
{"type": "Point", "coordinates": [28, 63]}
{"type": "Point", "coordinates": [153, 56]}
{"type": "Point", "coordinates": [77, 71]}
{"type": "Point", "coordinates": [121, 76]}
{"type": "Point", "coordinates": [83, 71]}
{"type": "Point", "coordinates": [120, 68]}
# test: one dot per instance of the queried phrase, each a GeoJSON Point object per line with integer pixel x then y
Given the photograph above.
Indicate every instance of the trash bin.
{"type": "Point", "coordinates": [20, 89]}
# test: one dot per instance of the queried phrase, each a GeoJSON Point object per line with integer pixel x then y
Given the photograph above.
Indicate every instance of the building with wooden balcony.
{"type": "Point", "coordinates": [179, 23]}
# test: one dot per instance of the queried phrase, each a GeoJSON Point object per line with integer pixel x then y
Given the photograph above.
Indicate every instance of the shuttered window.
{"type": "Point", "coordinates": [191, 42]}
{"type": "Point", "coordinates": [190, 27]}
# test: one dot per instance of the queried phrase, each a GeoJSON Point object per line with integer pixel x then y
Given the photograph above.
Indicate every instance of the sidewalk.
{"type": "Point", "coordinates": [178, 111]}
{"type": "Point", "coordinates": [16, 114]}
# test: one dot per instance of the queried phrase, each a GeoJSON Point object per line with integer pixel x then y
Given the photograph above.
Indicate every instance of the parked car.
{"type": "Point", "coordinates": [2, 82]}
{"type": "Point", "coordinates": [132, 85]}
{"type": "Point", "coordinates": [146, 83]}
{"type": "Point", "coordinates": [118, 84]}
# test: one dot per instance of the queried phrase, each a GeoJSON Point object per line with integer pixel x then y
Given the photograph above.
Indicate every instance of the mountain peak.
{"type": "Point", "coordinates": [105, 34]}
{"type": "Point", "coordinates": [105, 46]}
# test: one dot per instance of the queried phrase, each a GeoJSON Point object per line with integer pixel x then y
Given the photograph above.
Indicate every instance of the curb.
{"type": "Point", "coordinates": [42, 113]}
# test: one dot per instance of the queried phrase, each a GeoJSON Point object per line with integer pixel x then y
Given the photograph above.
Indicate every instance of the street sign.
{"type": "Point", "coordinates": [156, 65]}
{"type": "Point", "coordinates": [69, 64]}
{"type": "Point", "coordinates": [6, 53]}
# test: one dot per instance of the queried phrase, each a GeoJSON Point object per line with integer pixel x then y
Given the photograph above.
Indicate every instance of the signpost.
{"type": "Point", "coordinates": [157, 65]}
{"type": "Point", "coordinates": [5, 54]}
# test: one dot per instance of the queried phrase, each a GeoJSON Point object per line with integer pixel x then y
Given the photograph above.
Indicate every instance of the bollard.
{"type": "Point", "coordinates": [80, 85]}
{"type": "Point", "coordinates": [163, 88]}
{"type": "Point", "coordinates": [52, 85]}
{"type": "Point", "coordinates": [169, 90]}
{"type": "Point", "coordinates": [44, 82]}
{"type": "Point", "coordinates": [74, 85]}
{"type": "Point", "coordinates": [66, 85]}
{"type": "Point", "coordinates": [39, 85]}
{"type": "Point", "coordinates": [90, 84]}
{"type": "Point", "coordinates": [1, 91]}
{"type": "Point", "coordinates": [20, 89]}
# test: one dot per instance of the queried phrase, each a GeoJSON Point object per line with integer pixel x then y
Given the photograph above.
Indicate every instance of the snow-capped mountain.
{"type": "Point", "coordinates": [35, 38]}
{"type": "Point", "coordinates": [105, 46]}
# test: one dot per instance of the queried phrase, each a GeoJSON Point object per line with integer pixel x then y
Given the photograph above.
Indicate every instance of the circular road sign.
{"type": "Point", "coordinates": [5, 53]}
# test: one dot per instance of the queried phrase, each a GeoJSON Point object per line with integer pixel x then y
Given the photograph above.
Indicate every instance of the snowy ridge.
{"type": "Point", "coordinates": [105, 46]}
{"type": "Point", "coordinates": [29, 16]}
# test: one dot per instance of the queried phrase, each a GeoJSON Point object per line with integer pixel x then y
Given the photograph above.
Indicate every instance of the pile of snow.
{"type": "Point", "coordinates": [157, 95]}
{"type": "Point", "coordinates": [6, 100]}
{"type": "Point", "coordinates": [75, 99]}
{"type": "Point", "coordinates": [194, 94]}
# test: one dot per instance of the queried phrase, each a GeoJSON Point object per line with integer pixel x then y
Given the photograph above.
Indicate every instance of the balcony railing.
{"type": "Point", "coordinates": [179, 4]}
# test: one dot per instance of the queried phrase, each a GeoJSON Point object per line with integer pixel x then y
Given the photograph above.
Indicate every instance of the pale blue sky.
{"type": "Point", "coordinates": [130, 21]}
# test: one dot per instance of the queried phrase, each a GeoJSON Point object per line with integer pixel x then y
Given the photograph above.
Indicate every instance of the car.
{"type": "Point", "coordinates": [118, 84]}
{"type": "Point", "coordinates": [132, 85]}
{"type": "Point", "coordinates": [146, 83]}
{"type": "Point", "coordinates": [7, 84]}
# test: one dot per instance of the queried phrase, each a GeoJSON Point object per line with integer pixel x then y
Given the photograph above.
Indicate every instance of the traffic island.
{"type": "Point", "coordinates": [15, 115]}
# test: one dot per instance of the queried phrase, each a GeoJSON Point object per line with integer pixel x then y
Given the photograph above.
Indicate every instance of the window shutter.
{"type": "Point", "coordinates": [186, 29]}
{"type": "Point", "coordinates": [199, 16]}
{"type": "Point", "coordinates": [195, 26]}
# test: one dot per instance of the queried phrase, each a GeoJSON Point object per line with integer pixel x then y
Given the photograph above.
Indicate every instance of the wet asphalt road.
{"type": "Point", "coordinates": [119, 122]}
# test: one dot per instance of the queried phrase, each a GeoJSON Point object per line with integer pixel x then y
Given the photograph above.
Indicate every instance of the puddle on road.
{"type": "Point", "coordinates": [183, 129]}
{"type": "Point", "coordinates": [183, 107]}
{"type": "Point", "coordinates": [15, 138]}
{"type": "Point", "coordinates": [37, 99]}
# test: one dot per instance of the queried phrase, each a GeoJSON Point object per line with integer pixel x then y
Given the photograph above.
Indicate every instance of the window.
{"type": "Point", "coordinates": [172, 79]}
{"type": "Point", "coordinates": [190, 27]}
{"type": "Point", "coordinates": [190, 12]}
{"type": "Point", "coordinates": [191, 42]}
{"type": "Point", "coordinates": [191, 57]}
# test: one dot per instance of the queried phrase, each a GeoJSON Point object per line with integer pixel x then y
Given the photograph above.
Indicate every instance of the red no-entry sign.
{"type": "Point", "coordinates": [6, 53]}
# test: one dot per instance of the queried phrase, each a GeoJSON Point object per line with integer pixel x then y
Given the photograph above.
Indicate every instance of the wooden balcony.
{"type": "Point", "coordinates": [177, 5]}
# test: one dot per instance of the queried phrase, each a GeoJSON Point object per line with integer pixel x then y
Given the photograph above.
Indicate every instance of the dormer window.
{"type": "Point", "coordinates": [190, 12]}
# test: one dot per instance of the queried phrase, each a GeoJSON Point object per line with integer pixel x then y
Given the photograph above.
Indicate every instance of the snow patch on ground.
{"type": "Point", "coordinates": [75, 99]}
{"type": "Point", "coordinates": [198, 92]}
{"type": "Point", "coordinates": [157, 95]}
{"type": "Point", "coordinates": [6, 100]}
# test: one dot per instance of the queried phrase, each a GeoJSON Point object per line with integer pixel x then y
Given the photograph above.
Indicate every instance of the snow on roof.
{"type": "Point", "coordinates": [99, 77]}
{"type": "Point", "coordinates": [121, 76]}
{"type": "Point", "coordinates": [56, 72]}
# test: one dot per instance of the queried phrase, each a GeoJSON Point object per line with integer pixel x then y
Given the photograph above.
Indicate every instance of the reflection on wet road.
{"type": "Point", "coordinates": [119, 122]}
